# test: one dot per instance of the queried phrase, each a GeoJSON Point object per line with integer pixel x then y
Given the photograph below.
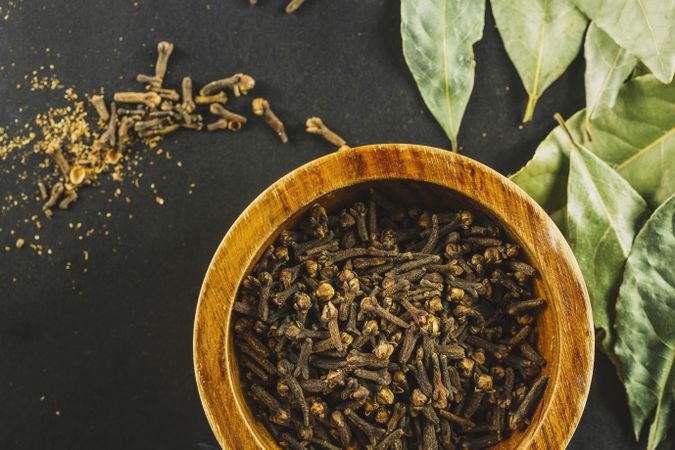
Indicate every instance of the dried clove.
{"type": "Point", "coordinates": [526, 405]}
{"type": "Point", "coordinates": [224, 124]}
{"type": "Point", "coordinates": [239, 83]}
{"type": "Point", "coordinates": [372, 432]}
{"type": "Point", "coordinates": [316, 126]}
{"type": "Point", "coordinates": [218, 110]}
{"type": "Point", "coordinates": [188, 104]}
{"type": "Point", "coordinates": [277, 414]}
{"type": "Point", "coordinates": [261, 108]}
{"type": "Point", "coordinates": [69, 197]}
{"type": "Point", "coordinates": [56, 192]}
{"type": "Point", "coordinates": [293, 6]}
{"type": "Point", "coordinates": [99, 104]}
{"type": "Point", "coordinates": [164, 50]}
{"type": "Point", "coordinates": [150, 99]}
{"type": "Point", "coordinates": [54, 150]}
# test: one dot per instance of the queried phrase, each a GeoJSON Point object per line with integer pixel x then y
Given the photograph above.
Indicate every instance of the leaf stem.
{"type": "Point", "coordinates": [587, 128]}
{"type": "Point", "coordinates": [561, 122]}
{"type": "Point", "coordinates": [453, 142]}
{"type": "Point", "coordinates": [529, 110]}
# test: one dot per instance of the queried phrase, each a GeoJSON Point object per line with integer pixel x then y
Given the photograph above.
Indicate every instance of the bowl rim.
{"type": "Point", "coordinates": [388, 162]}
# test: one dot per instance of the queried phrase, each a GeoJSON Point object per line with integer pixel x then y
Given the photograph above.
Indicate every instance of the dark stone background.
{"type": "Point", "coordinates": [111, 349]}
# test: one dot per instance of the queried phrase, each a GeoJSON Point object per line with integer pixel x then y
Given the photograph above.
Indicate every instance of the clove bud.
{"type": "Point", "coordinates": [316, 126]}
{"type": "Point", "coordinates": [261, 108]}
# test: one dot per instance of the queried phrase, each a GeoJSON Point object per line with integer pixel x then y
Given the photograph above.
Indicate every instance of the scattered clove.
{"type": "Point", "coordinates": [293, 6]}
{"type": "Point", "coordinates": [238, 83]}
{"type": "Point", "coordinates": [229, 120]}
{"type": "Point", "coordinates": [99, 104]}
{"type": "Point", "coordinates": [188, 104]}
{"type": "Point", "coordinates": [220, 97]}
{"type": "Point", "coordinates": [149, 99]}
{"type": "Point", "coordinates": [316, 126]}
{"type": "Point", "coordinates": [148, 114]}
{"type": "Point", "coordinates": [261, 108]}
{"type": "Point", "coordinates": [164, 50]}
{"type": "Point", "coordinates": [56, 192]}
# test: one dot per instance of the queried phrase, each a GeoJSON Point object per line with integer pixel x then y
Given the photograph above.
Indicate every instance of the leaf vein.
{"type": "Point", "coordinates": [605, 81]}
{"type": "Point", "coordinates": [651, 32]}
{"type": "Point", "coordinates": [540, 56]}
{"type": "Point", "coordinates": [446, 84]}
{"type": "Point", "coordinates": [639, 154]}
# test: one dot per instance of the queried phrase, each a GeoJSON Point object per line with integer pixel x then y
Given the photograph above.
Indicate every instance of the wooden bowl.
{"type": "Point", "coordinates": [417, 176]}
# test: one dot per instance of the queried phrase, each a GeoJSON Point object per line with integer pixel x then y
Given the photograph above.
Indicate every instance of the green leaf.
{"type": "Point", "coordinates": [643, 27]}
{"type": "Point", "coordinates": [645, 324]}
{"type": "Point", "coordinates": [438, 38]}
{"type": "Point", "coordinates": [604, 213]}
{"type": "Point", "coordinates": [637, 137]}
{"type": "Point", "coordinates": [545, 175]}
{"type": "Point", "coordinates": [542, 38]}
{"type": "Point", "coordinates": [607, 67]}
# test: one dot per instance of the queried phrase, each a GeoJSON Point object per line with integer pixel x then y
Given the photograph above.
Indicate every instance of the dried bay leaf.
{"type": "Point", "coordinates": [645, 324]}
{"type": "Point", "coordinates": [608, 65]}
{"type": "Point", "coordinates": [604, 213]}
{"type": "Point", "coordinates": [643, 27]}
{"type": "Point", "coordinates": [542, 38]}
{"type": "Point", "coordinates": [544, 177]}
{"type": "Point", "coordinates": [438, 38]}
{"type": "Point", "coordinates": [637, 137]}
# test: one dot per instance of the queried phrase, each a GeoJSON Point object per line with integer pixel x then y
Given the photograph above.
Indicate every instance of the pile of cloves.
{"type": "Point", "coordinates": [160, 110]}
{"type": "Point", "coordinates": [381, 327]}
{"type": "Point", "coordinates": [149, 115]}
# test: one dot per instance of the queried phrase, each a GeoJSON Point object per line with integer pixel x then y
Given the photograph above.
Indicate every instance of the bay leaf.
{"type": "Point", "coordinates": [438, 38]}
{"type": "Point", "coordinates": [544, 177]}
{"type": "Point", "coordinates": [645, 325]}
{"type": "Point", "coordinates": [637, 137]}
{"type": "Point", "coordinates": [604, 213]}
{"type": "Point", "coordinates": [608, 65]}
{"type": "Point", "coordinates": [542, 38]}
{"type": "Point", "coordinates": [643, 27]}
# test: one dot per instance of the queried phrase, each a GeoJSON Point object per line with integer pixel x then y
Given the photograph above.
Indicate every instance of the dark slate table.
{"type": "Point", "coordinates": [103, 359]}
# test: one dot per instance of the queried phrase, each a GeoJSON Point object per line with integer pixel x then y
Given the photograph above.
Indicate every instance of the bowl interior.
{"type": "Point", "coordinates": [437, 198]}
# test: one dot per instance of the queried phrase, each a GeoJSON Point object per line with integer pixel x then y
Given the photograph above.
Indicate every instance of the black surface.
{"type": "Point", "coordinates": [111, 349]}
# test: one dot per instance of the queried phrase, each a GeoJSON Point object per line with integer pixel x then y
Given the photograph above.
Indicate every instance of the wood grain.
{"type": "Point", "coordinates": [414, 175]}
